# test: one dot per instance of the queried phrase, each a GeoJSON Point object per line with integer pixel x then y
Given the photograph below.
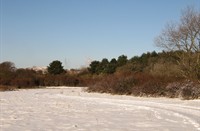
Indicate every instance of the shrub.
{"type": "Point", "coordinates": [124, 85]}
{"type": "Point", "coordinates": [24, 78]}
{"type": "Point", "coordinates": [114, 84]}
{"type": "Point", "coordinates": [143, 84]}
{"type": "Point", "coordinates": [153, 88]}
{"type": "Point", "coordinates": [60, 80]}
{"type": "Point", "coordinates": [7, 88]}
{"type": "Point", "coordinates": [184, 90]}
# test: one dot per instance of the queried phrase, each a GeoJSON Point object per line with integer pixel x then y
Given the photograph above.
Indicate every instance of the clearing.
{"type": "Point", "coordinates": [70, 108]}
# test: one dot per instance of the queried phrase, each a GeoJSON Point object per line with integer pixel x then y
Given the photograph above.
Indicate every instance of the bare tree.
{"type": "Point", "coordinates": [7, 66]}
{"type": "Point", "coordinates": [184, 38]}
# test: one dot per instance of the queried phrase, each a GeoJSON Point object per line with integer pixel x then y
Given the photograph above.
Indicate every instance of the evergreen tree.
{"type": "Point", "coordinates": [94, 67]}
{"type": "Point", "coordinates": [122, 60]}
{"type": "Point", "coordinates": [55, 67]}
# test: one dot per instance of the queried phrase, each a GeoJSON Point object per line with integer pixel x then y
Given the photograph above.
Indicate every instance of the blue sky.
{"type": "Point", "coordinates": [36, 32]}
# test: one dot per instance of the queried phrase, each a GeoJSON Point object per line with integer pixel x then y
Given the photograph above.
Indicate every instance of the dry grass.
{"type": "Point", "coordinates": [7, 88]}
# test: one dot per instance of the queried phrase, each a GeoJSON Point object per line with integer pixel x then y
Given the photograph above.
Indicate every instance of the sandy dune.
{"type": "Point", "coordinates": [75, 110]}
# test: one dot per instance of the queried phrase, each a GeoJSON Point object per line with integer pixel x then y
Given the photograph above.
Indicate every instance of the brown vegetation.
{"type": "Point", "coordinates": [151, 74]}
{"type": "Point", "coordinates": [171, 73]}
{"type": "Point", "coordinates": [184, 38]}
{"type": "Point", "coordinates": [141, 84]}
{"type": "Point", "coordinates": [7, 88]}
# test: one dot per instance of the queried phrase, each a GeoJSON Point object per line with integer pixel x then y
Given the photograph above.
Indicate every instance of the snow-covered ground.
{"type": "Point", "coordinates": [71, 109]}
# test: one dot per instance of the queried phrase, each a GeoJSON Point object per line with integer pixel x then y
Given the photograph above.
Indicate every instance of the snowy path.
{"type": "Point", "coordinates": [74, 110]}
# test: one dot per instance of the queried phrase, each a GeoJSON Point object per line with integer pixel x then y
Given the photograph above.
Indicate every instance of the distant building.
{"type": "Point", "coordinates": [39, 69]}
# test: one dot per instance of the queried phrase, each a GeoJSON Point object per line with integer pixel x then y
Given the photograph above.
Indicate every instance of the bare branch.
{"type": "Point", "coordinates": [185, 37]}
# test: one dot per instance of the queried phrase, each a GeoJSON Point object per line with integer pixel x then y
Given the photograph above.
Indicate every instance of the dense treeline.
{"type": "Point", "coordinates": [174, 72]}
{"type": "Point", "coordinates": [106, 67]}
{"type": "Point", "coordinates": [151, 74]}
{"type": "Point", "coordinates": [161, 64]}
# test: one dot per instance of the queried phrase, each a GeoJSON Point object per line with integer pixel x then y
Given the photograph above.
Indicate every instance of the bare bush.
{"type": "Point", "coordinates": [184, 90]}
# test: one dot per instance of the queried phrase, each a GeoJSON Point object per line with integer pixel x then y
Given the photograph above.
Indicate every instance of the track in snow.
{"type": "Point", "coordinates": [73, 109]}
